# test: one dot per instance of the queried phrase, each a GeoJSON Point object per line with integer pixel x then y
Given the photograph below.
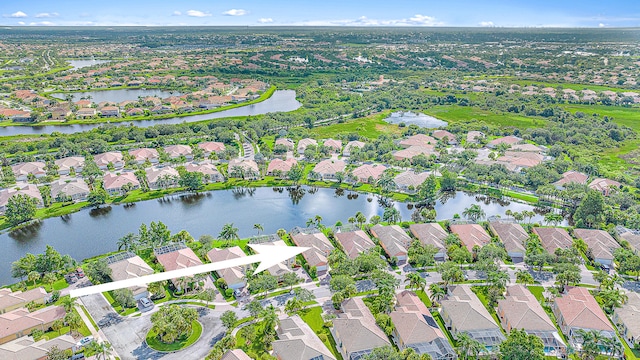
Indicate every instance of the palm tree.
{"type": "Point", "coordinates": [437, 293]}
{"type": "Point", "coordinates": [229, 232]}
{"type": "Point", "coordinates": [469, 347]}
{"type": "Point", "coordinates": [102, 350]}
{"type": "Point", "coordinates": [385, 182]}
{"type": "Point", "coordinates": [360, 218]}
{"type": "Point", "coordinates": [591, 340]}
{"type": "Point", "coordinates": [67, 303]}
{"type": "Point", "coordinates": [127, 242]}
{"type": "Point", "coordinates": [613, 347]}
{"type": "Point", "coordinates": [416, 281]}
{"type": "Point", "coordinates": [258, 228]}
{"type": "Point", "coordinates": [473, 212]}
{"type": "Point", "coordinates": [523, 277]}
{"type": "Point", "coordinates": [33, 276]}
{"type": "Point", "coordinates": [281, 233]}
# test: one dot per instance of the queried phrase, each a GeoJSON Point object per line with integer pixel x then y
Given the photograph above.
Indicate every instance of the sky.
{"type": "Point", "coordinates": [468, 13]}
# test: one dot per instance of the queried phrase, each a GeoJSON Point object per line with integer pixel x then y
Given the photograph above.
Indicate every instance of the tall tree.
{"type": "Point", "coordinates": [228, 232]}
{"type": "Point", "coordinates": [590, 212]}
{"type": "Point", "coordinates": [20, 208]}
{"type": "Point", "coordinates": [520, 345]}
{"type": "Point", "coordinates": [473, 213]}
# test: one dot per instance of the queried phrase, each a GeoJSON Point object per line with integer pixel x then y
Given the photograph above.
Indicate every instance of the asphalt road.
{"type": "Point", "coordinates": [127, 334]}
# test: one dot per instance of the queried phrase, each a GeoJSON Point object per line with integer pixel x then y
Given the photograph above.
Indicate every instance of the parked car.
{"type": "Point", "coordinates": [71, 278]}
{"type": "Point", "coordinates": [80, 272]}
{"type": "Point", "coordinates": [145, 303]}
{"type": "Point", "coordinates": [77, 356]}
{"type": "Point", "coordinates": [84, 341]}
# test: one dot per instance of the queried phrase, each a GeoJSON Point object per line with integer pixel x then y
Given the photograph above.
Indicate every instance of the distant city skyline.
{"type": "Point", "coordinates": [463, 13]}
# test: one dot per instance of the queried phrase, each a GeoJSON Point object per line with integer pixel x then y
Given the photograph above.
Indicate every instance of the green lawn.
{"type": "Point", "coordinates": [313, 318]}
{"type": "Point", "coordinates": [455, 113]}
{"type": "Point", "coordinates": [425, 299]}
{"type": "Point", "coordinates": [86, 313]}
{"type": "Point", "coordinates": [370, 127]}
{"type": "Point", "coordinates": [154, 342]}
{"type": "Point", "coordinates": [438, 318]}
{"type": "Point", "coordinates": [537, 292]}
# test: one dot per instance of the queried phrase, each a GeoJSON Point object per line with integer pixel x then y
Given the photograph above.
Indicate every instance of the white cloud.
{"type": "Point", "coordinates": [198, 13]}
{"type": "Point", "coordinates": [235, 12]}
{"type": "Point", "coordinates": [415, 20]}
{"type": "Point", "coordinates": [47, 15]}
{"type": "Point", "coordinates": [601, 25]}
{"type": "Point", "coordinates": [21, 22]}
{"type": "Point", "coordinates": [17, 14]}
{"type": "Point", "coordinates": [265, 20]}
{"type": "Point", "coordinates": [176, 13]}
{"type": "Point", "coordinates": [42, 23]}
{"type": "Point", "coordinates": [486, 24]}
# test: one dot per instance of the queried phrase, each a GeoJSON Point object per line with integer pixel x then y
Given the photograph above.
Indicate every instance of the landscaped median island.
{"type": "Point", "coordinates": [173, 328]}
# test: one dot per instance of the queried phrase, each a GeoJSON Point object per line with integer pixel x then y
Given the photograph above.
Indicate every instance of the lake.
{"type": "Point", "coordinates": [117, 96]}
{"type": "Point", "coordinates": [280, 101]}
{"type": "Point", "coordinates": [410, 118]}
{"type": "Point", "coordinates": [92, 232]}
{"type": "Point", "coordinates": [79, 64]}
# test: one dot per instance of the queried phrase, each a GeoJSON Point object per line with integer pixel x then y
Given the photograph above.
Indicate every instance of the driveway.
{"type": "Point", "coordinates": [127, 334]}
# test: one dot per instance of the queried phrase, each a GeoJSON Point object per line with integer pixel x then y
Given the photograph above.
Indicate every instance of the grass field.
{"type": "Point", "coordinates": [370, 127]}
{"type": "Point", "coordinates": [626, 116]}
{"type": "Point", "coordinates": [455, 114]}
{"type": "Point", "coordinates": [313, 318]}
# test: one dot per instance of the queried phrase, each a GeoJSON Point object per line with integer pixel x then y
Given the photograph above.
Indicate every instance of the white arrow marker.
{"type": "Point", "coordinates": [268, 255]}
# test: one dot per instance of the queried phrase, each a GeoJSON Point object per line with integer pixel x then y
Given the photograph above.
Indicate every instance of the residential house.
{"type": "Point", "coordinates": [114, 182]}
{"type": "Point", "coordinates": [603, 185]}
{"type": "Point", "coordinates": [60, 113]}
{"type": "Point", "coordinates": [75, 189]}
{"type": "Point", "coordinates": [553, 238]}
{"type": "Point", "coordinates": [176, 256]}
{"type": "Point", "coordinates": [162, 178]}
{"type": "Point", "coordinates": [281, 268]}
{"type": "Point", "coordinates": [508, 140]}
{"type": "Point", "coordinates": [288, 143]}
{"type": "Point", "coordinates": [528, 148]}
{"type": "Point", "coordinates": [297, 341]}
{"type": "Point", "coordinates": [368, 173]}
{"type": "Point", "coordinates": [143, 155]}
{"type": "Point", "coordinates": [409, 180]}
{"type": "Point", "coordinates": [135, 112]}
{"type": "Point", "coordinates": [473, 137]}
{"type": "Point", "coordinates": [235, 354]}
{"type": "Point", "coordinates": [29, 190]}
{"type": "Point", "coordinates": [415, 328]}
{"type": "Point", "coordinates": [65, 165]}
{"type": "Point", "coordinates": [335, 146]}
{"type": "Point", "coordinates": [352, 145]}
{"type": "Point", "coordinates": [442, 134]}
{"type": "Point", "coordinates": [577, 310]}
{"type": "Point", "coordinates": [11, 300]}
{"type": "Point", "coordinates": [627, 318]}
{"type": "Point", "coordinates": [327, 169]}
{"type": "Point", "coordinates": [127, 265]}
{"type": "Point", "coordinates": [110, 111]}
{"type": "Point", "coordinates": [209, 171]}
{"type": "Point", "coordinates": [113, 158]}
{"type": "Point", "coordinates": [35, 168]}
{"type": "Point", "coordinates": [243, 168]}
{"type": "Point", "coordinates": [26, 348]}
{"type": "Point", "coordinates": [519, 160]}
{"type": "Point", "coordinates": [601, 244]}
{"type": "Point", "coordinates": [233, 276]}
{"type": "Point", "coordinates": [175, 151]}
{"type": "Point", "coordinates": [354, 242]}
{"type": "Point", "coordinates": [418, 140]}
{"type": "Point", "coordinates": [431, 234]}
{"type": "Point", "coordinates": [319, 244]}
{"type": "Point", "coordinates": [521, 310]}
{"type": "Point", "coordinates": [463, 312]}
{"type": "Point", "coordinates": [211, 147]}
{"type": "Point", "coordinates": [20, 322]}
{"type": "Point", "coordinates": [572, 177]}
{"type": "Point", "coordinates": [304, 143]}
{"type": "Point", "coordinates": [355, 331]}
{"type": "Point", "coordinates": [471, 235]}
{"type": "Point", "coordinates": [280, 168]}
{"type": "Point", "coordinates": [393, 240]}
{"type": "Point", "coordinates": [86, 112]}
{"type": "Point", "coordinates": [411, 152]}
{"type": "Point", "coordinates": [630, 236]}
{"type": "Point", "coordinates": [513, 236]}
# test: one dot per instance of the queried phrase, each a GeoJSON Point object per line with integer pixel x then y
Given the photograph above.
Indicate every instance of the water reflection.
{"type": "Point", "coordinates": [296, 194]}
{"type": "Point", "coordinates": [100, 211]}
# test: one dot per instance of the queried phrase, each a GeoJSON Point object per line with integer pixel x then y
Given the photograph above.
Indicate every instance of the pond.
{"type": "Point", "coordinates": [92, 232]}
{"type": "Point", "coordinates": [79, 64]}
{"type": "Point", "coordinates": [117, 96]}
{"type": "Point", "coordinates": [410, 118]}
{"type": "Point", "coordinates": [280, 101]}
